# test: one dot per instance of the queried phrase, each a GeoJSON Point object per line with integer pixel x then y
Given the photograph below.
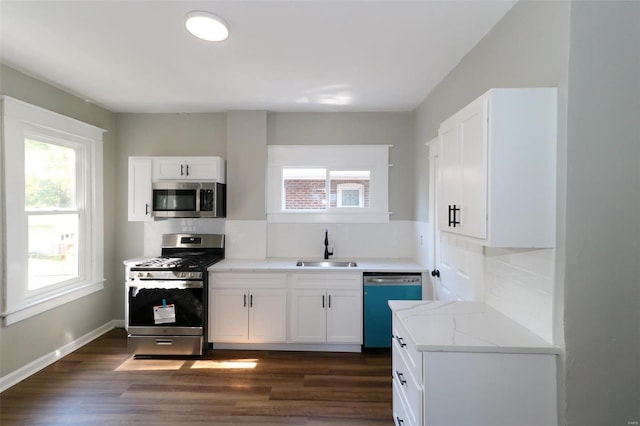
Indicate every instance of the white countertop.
{"type": "Point", "coordinates": [289, 265]}
{"type": "Point", "coordinates": [436, 326]}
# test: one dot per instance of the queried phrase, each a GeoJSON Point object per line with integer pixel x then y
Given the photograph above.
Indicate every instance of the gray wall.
{"type": "Point", "coordinates": [246, 165]}
{"type": "Point", "coordinates": [356, 128]}
{"type": "Point", "coordinates": [32, 338]}
{"type": "Point", "coordinates": [602, 284]}
{"type": "Point", "coordinates": [150, 135]}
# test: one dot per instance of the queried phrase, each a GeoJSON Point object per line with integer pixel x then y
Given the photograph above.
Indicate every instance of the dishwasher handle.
{"type": "Point", "coordinates": [393, 280]}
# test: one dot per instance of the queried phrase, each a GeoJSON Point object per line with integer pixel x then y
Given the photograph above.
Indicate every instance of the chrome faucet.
{"type": "Point", "coordinates": [327, 253]}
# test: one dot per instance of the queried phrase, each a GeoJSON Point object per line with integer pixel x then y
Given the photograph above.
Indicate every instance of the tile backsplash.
{"type": "Point", "coordinates": [520, 284]}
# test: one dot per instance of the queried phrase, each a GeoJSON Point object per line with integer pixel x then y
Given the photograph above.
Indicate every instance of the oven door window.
{"type": "Point", "coordinates": [174, 200]}
{"type": "Point", "coordinates": [188, 305]}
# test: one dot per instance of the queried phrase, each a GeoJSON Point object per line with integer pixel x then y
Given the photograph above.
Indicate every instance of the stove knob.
{"type": "Point", "coordinates": [149, 275]}
{"type": "Point", "coordinates": [140, 274]}
{"type": "Point", "coordinates": [182, 274]}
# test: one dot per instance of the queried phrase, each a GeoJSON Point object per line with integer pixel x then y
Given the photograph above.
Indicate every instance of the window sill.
{"type": "Point", "coordinates": [35, 307]}
{"type": "Point", "coordinates": [328, 217]}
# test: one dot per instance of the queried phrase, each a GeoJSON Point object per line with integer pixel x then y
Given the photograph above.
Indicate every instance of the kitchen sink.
{"type": "Point", "coordinates": [326, 264]}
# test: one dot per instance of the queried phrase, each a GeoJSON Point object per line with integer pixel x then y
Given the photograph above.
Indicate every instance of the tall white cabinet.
{"type": "Point", "coordinates": [497, 169]}
{"type": "Point", "coordinates": [140, 172]}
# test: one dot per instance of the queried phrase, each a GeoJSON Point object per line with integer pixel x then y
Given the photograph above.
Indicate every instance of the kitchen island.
{"type": "Point", "coordinates": [461, 363]}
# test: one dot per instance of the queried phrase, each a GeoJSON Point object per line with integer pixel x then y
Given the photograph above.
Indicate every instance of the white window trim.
{"type": "Point", "coordinates": [374, 158]}
{"type": "Point", "coordinates": [20, 118]}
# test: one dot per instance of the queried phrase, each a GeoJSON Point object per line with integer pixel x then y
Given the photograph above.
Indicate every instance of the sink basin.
{"type": "Point", "coordinates": [326, 264]}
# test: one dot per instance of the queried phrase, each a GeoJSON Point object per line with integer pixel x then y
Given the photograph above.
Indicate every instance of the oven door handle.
{"type": "Point", "coordinates": [168, 284]}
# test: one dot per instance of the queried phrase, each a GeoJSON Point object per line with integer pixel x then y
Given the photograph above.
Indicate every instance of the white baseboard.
{"type": "Point", "coordinates": [303, 347]}
{"type": "Point", "coordinates": [118, 323]}
{"type": "Point", "coordinates": [33, 367]}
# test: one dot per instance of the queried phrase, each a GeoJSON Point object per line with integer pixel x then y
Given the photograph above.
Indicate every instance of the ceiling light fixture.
{"type": "Point", "coordinates": [206, 26]}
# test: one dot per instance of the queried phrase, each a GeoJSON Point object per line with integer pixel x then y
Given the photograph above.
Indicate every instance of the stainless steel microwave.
{"type": "Point", "coordinates": [189, 199]}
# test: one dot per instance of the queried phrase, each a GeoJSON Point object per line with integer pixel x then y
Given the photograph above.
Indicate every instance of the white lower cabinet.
{"type": "Point", "coordinates": [326, 308]}
{"type": "Point", "coordinates": [247, 308]}
{"type": "Point", "coordinates": [434, 388]}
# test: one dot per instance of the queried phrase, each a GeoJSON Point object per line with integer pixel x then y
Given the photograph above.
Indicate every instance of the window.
{"type": "Point", "coordinates": [328, 183]}
{"type": "Point", "coordinates": [350, 195]}
{"type": "Point", "coordinates": [52, 212]}
{"type": "Point", "coordinates": [53, 208]}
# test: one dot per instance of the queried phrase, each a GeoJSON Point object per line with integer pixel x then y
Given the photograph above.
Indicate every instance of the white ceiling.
{"type": "Point", "coordinates": [136, 56]}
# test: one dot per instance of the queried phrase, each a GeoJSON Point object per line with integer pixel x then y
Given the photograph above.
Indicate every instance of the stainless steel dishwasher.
{"type": "Point", "coordinates": [379, 288]}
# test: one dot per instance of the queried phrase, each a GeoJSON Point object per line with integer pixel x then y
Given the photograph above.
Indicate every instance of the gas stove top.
{"type": "Point", "coordinates": [188, 262]}
{"type": "Point", "coordinates": [184, 256]}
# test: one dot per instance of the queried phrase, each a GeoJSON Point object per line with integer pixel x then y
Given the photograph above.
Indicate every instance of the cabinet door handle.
{"type": "Point", "coordinates": [401, 341]}
{"type": "Point", "coordinates": [400, 421]}
{"type": "Point", "coordinates": [329, 301]}
{"type": "Point", "coordinates": [456, 220]}
{"type": "Point", "coordinates": [449, 223]}
{"type": "Point", "coordinates": [245, 301]}
{"type": "Point", "coordinates": [187, 170]}
{"type": "Point", "coordinates": [323, 301]}
{"type": "Point", "coordinates": [251, 301]}
{"type": "Point", "coordinates": [181, 169]}
{"type": "Point", "coordinates": [401, 378]}
{"type": "Point", "coordinates": [146, 209]}
{"type": "Point", "coordinates": [435, 273]}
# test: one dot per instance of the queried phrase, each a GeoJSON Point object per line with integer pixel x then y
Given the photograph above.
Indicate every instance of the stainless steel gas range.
{"type": "Point", "coordinates": [167, 302]}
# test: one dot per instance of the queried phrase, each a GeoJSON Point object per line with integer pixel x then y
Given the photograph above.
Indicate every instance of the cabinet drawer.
{"type": "Point", "coordinates": [242, 280]}
{"type": "Point", "coordinates": [407, 349]}
{"type": "Point", "coordinates": [408, 384]}
{"type": "Point", "coordinates": [401, 416]}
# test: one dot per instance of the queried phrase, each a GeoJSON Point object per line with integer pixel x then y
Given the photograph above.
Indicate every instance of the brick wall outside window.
{"type": "Point", "coordinates": [309, 194]}
{"type": "Point", "coordinates": [304, 194]}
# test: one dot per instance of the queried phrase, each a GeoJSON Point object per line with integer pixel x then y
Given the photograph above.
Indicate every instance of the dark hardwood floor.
{"type": "Point", "coordinates": [100, 384]}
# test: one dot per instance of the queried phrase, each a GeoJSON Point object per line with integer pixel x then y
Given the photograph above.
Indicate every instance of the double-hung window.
{"type": "Point", "coordinates": [53, 210]}
{"type": "Point", "coordinates": [328, 183]}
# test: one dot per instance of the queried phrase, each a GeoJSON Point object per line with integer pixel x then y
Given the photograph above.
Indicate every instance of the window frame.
{"type": "Point", "coordinates": [21, 120]}
{"type": "Point", "coordinates": [372, 158]}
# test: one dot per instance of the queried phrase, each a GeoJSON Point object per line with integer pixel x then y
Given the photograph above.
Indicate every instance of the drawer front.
{"type": "Point", "coordinates": [165, 345]}
{"type": "Point", "coordinates": [407, 384]}
{"type": "Point", "coordinates": [400, 414]}
{"type": "Point", "coordinates": [407, 348]}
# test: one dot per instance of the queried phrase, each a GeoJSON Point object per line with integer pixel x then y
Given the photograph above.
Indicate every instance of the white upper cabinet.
{"type": "Point", "coordinates": [189, 168]}
{"type": "Point", "coordinates": [498, 169]}
{"type": "Point", "coordinates": [140, 189]}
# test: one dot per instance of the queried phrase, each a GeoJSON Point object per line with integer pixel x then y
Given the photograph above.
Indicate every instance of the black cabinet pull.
{"type": "Point", "coordinates": [146, 209]}
{"type": "Point", "coordinates": [449, 223]}
{"type": "Point", "coordinates": [435, 273]}
{"type": "Point", "coordinates": [401, 378]}
{"type": "Point", "coordinates": [245, 300]}
{"type": "Point", "coordinates": [187, 170]}
{"type": "Point", "coordinates": [181, 169]}
{"type": "Point", "coordinates": [329, 300]}
{"type": "Point", "coordinates": [456, 220]}
{"type": "Point", "coordinates": [323, 301]}
{"type": "Point", "coordinates": [400, 421]}
{"type": "Point", "coordinates": [401, 341]}
{"type": "Point", "coordinates": [251, 301]}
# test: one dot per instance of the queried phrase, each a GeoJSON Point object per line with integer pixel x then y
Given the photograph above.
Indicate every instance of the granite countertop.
{"type": "Point", "coordinates": [289, 265]}
{"type": "Point", "coordinates": [437, 326]}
